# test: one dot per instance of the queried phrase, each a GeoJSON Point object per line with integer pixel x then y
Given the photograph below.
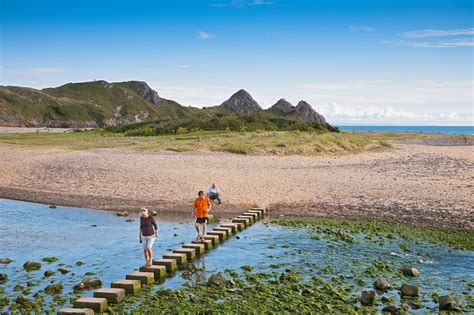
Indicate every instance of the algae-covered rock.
{"type": "Point", "coordinates": [54, 288]}
{"type": "Point", "coordinates": [367, 298]}
{"type": "Point", "coordinates": [52, 206]}
{"type": "Point", "coordinates": [381, 285]}
{"type": "Point", "coordinates": [3, 277]}
{"type": "Point", "coordinates": [447, 303]}
{"type": "Point", "coordinates": [50, 259]}
{"type": "Point", "coordinates": [392, 309]}
{"type": "Point", "coordinates": [64, 270]}
{"type": "Point", "coordinates": [18, 287]}
{"type": "Point", "coordinates": [22, 300]}
{"type": "Point", "coordinates": [31, 265]}
{"type": "Point", "coordinates": [122, 214]}
{"type": "Point", "coordinates": [409, 290]}
{"type": "Point", "coordinates": [216, 279]}
{"type": "Point", "coordinates": [247, 267]}
{"type": "Point", "coordinates": [411, 272]}
{"type": "Point", "coordinates": [4, 301]}
{"type": "Point", "coordinates": [88, 284]}
{"type": "Point", "coordinates": [79, 263]}
{"type": "Point", "coordinates": [49, 273]}
{"type": "Point", "coordinates": [5, 260]}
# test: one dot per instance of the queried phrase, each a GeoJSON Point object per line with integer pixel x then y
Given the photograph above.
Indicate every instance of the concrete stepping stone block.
{"type": "Point", "coordinates": [170, 264]}
{"type": "Point", "coordinates": [199, 248]}
{"type": "Point", "coordinates": [227, 230]}
{"type": "Point", "coordinates": [263, 210]}
{"type": "Point", "coordinates": [221, 234]}
{"type": "Point", "coordinates": [130, 286]}
{"type": "Point", "coordinates": [251, 217]}
{"type": "Point", "coordinates": [213, 238]}
{"type": "Point", "coordinates": [181, 259]}
{"type": "Point", "coordinates": [190, 253]}
{"type": "Point", "coordinates": [254, 215]}
{"type": "Point", "coordinates": [243, 220]}
{"type": "Point", "coordinates": [259, 213]}
{"type": "Point", "coordinates": [234, 226]}
{"type": "Point", "coordinates": [75, 311]}
{"type": "Point", "coordinates": [144, 277]}
{"type": "Point", "coordinates": [98, 305]}
{"type": "Point", "coordinates": [113, 295]}
{"type": "Point", "coordinates": [207, 243]}
{"type": "Point", "coordinates": [158, 271]}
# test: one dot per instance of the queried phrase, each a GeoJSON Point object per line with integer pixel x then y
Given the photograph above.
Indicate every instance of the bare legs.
{"type": "Point", "coordinates": [148, 252]}
{"type": "Point", "coordinates": [203, 231]}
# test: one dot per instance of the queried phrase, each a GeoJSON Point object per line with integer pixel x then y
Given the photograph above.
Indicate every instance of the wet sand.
{"type": "Point", "coordinates": [418, 184]}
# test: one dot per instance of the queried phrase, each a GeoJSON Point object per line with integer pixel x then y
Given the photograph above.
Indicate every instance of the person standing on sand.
{"type": "Point", "coordinates": [201, 208]}
{"type": "Point", "coordinates": [147, 234]}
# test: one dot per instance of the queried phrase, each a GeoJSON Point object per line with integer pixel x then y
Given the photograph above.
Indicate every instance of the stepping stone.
{"type": "Point", "coordinates": [251, 217]}
{"type": "Point", "coordinates": [158, 271]}
{"type": "Point", "coordinates": [130, 286]}
{"type": "Point", "coordinates": [190, 253]}
{"type": "Point", "coordinates": [180, 258]}
{"type": "Point", "coordinates": [213, 238]}
{"type": "Point", "coordinates": [113, 295]}
{"type": "Point", "coordinates": [260, 213]}
{"type": "Point", "coordinates": [221, 234]}
{"type": "Point", "coordinates": [207, 243]}
{"type": "Point", "coordinates": [262, 210]}
{"type": "Point", "coordinates": [234, 226]}
{"type": "Point", "coordinates": [75, 311]}
{"type": "Point", "coordinates": [242, 220]}
{"type": "Point", "coordinates": [199, 248]}
{"type": "Point", "coordinates": [253, 214]}
{"type": "Point", "coordinates": [144, 277]}
{"type": "Point", "coordinates": [227, 230]}
{"type": "Point", "coordinates": [170, 264]}
{"type": "Point", "coordinates": [98, 305]}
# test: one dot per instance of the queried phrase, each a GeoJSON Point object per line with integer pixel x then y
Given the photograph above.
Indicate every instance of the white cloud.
{"type": "Point", "coordinates": [361, 28]}
{"type": "Point", "coordinates": [437, 33]}
{"type": "Point", "coordinates": [205, 35]}
{"type": "Point", "coordinates": [460, 42]}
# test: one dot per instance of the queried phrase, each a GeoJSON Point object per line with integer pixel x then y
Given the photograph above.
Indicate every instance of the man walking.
{"type": "Point", "coordinates": [201, 208]}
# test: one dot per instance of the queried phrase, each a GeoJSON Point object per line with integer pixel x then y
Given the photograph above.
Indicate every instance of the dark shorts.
{"type": "Point", "coordinates": [202, 220]}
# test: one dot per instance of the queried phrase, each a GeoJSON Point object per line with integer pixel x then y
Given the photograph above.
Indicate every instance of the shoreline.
{"type": "Point", "coordinates": [416, 184]}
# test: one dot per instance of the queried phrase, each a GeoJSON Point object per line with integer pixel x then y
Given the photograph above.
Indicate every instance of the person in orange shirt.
{"type": "Point", "coordinates": [201, 208]}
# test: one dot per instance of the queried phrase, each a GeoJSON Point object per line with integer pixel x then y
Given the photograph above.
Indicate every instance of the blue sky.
{"type": "Point", "coordinates": [364, 62]}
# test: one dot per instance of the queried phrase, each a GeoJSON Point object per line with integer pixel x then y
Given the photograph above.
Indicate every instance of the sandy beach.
{"type": "Point", "coordinates": [418, 184]}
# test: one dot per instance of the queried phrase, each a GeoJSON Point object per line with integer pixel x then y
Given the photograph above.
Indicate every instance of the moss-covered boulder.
{"type": "Point", "coordinates": [31, 265]}
{"type": "Point", "coordinates": [88, 284]}
{"type": "Point", "coordinates": [216, 280]}
{"type": "Point", "coordinates": [50, 259]}
{"type": "Point", "coordinates": [64, 270]}
{"type": "Point", "coordinates": [3, 277]}
{"type": "Point", "coordinates": [447, 303]}
{"type": "Point", "coordinates": [367, 298]}
{"type": "Point", "coordinates": [49, 273]}
{"type": "Point", "coordinates": [23, 301]}
{"type": "Point", "coordinates": [54, 288]}
{"type": "Point", "coordinates": [247, 267]}
{"type": "Point", "coordinates": [52, 206]}
{"type": "Point", "coordinates": [18, 287]}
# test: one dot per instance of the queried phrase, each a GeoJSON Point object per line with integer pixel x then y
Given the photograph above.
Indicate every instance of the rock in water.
{"type": "Point", "coordinates": [411, 272]}
{"type": "Point", "coordinates": [122, 214]}
{"type": "Point", "coordinates": [5, 260]}
{"type": "Point", "coordinates": [216, 279]}
{"type": "Point", "coordinates": [447, 303]}
{"type": "Point", "coordinates": [367, 298]}
{"type": "Point", "coordinates": [31, 265]}
{"type": "Point", "coordinates": [54, 288]}
{"type": "Point", "coordinates": [381, 285]}
{"type": "Point", "coordinates": [392, 309]}
{"type": "Point", "coordinates": [3, 277]}
{"type": "Point", "coordinates": [409, 290]}
{"type": "Point", "coordinates": [242, 102]}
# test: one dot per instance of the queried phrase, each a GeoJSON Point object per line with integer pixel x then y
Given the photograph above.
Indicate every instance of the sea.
{"type": "Point", "coordinates": [467, 130]}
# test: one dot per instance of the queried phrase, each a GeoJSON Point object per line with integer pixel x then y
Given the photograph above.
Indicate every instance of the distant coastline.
{"type": "Point", "coordinates": [469, 130]}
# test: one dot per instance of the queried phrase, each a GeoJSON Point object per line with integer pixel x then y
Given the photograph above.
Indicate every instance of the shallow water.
{"type": "Point", "coordinates": [31, 231]}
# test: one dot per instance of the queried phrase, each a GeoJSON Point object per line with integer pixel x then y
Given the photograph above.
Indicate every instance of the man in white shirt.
{"type": "Point", "coordinates": [213, 193]}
